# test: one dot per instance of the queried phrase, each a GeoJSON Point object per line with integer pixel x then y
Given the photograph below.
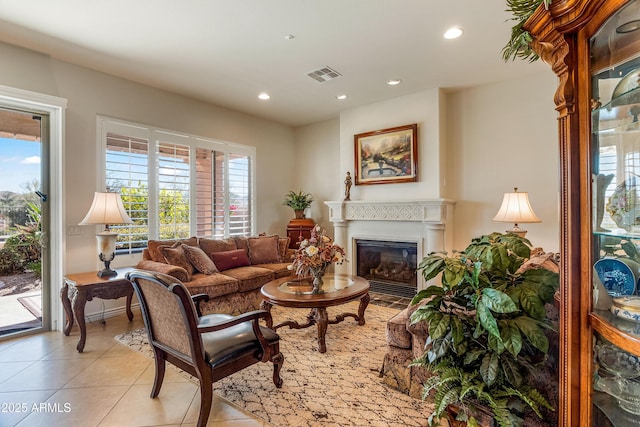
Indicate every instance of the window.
{"type": "Point", "coordinates": [175, 185]}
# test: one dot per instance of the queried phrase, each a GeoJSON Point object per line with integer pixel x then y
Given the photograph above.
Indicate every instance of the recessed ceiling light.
{"type": "Point", "coordinates": [393, 82]}
{"type": "Point", "coordinates": [453, 33]}
{"type": "Point", "coordinates": [289, 37]}
{"type": "Point", "coordinates": [264, 96]}
{"type": "Point", "coordinates": [343, 96]}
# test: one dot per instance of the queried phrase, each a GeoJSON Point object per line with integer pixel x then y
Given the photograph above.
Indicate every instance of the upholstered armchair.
{"type": "Point", "coordinates": [208, 347]}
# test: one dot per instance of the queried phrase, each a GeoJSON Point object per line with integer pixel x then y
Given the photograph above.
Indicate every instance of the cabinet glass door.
{"type": "Point", "coordinates": [615, 196]}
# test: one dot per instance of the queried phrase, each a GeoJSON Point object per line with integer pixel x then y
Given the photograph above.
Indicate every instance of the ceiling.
{"type": "Point", "coordinates": [227, 51]}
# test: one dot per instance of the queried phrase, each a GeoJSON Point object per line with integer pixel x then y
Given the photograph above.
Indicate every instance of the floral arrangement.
{"type": "Point", "coordinates": [315, 254]}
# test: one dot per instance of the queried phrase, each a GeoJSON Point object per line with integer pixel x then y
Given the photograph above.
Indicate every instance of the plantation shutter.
{"type": "Point", "coordinates": [126, 171]}
{"type": "Point", "coordinates": [239, 167]}
{"type": "Point", "coordinates": [204, 193]}
{"type": "Point", "coordinates": [175, 185]}
{"type": "Point", "coordinates": [174, 196]}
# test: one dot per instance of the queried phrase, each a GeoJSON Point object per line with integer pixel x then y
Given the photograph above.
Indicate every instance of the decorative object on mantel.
{"type": "Point", "coordinates": [316, 254]}
{"type": "Point", "coordinates": [516, 209]}
{"type": "Point", "coordinates": [298, 202]}
{"type": "Point", "coordinates": [106, 209]}
{"type": "Point", "coordinates": [347, 187]}
{"type": "Point", "coordinates": [387, 156]}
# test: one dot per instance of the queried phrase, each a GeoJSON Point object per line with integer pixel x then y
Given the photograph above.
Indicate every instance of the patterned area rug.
{"type": "Point", "coordinates": [339, 388]}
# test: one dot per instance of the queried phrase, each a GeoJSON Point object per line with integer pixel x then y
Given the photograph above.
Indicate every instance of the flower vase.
{"type": "Point", "coordinates": [317, 273]}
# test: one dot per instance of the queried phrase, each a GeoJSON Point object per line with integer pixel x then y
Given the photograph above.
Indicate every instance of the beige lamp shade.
{"type": "Point", "coordinates": [107, 208]}
{"type": "Point", "coordinates": [516, 208]}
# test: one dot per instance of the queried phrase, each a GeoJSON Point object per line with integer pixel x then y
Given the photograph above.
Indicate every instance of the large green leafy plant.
{"type": "Point", "coordinates": [486, 328]}
{"type": "Point", "coordinates": [518, 44]}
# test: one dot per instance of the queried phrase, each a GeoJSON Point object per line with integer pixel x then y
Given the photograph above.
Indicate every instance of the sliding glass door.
{"type": "Point", "coordinates": [23, 222]}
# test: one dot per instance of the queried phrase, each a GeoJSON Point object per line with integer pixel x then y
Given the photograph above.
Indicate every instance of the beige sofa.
{"type": "Point", "coordinates": [230, 271]}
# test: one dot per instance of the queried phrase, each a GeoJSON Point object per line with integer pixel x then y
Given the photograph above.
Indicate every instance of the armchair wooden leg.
{"type": "Point", "coordinates": [158, 357]}
{"type": "Point", "coordinates": [206, 396]}
{"type": "Point", "coordinates": [278, 360]}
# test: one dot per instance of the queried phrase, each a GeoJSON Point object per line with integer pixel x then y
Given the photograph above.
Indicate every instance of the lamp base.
{"type": "Point", "coordinates": [521, 232]}
{"type": "Point", "coordinates": [107, 258]}
{"type": "Point", "coordinates": [107, 272]}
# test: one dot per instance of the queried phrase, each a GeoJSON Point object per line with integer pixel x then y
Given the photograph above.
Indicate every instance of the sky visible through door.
{"type": "Point", "coordinates": [20, 222]}
{"type": "Point", "coordinates": [19, 164]}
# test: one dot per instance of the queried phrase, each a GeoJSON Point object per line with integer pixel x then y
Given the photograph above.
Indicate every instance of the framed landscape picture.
{"type": "Point", "coordinates": [387, 156]}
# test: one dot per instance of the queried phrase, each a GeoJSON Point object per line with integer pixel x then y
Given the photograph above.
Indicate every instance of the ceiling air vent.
{"type": "Point", "coordinates": [324, 74]}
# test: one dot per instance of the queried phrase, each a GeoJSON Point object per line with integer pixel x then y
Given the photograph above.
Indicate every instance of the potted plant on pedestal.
{"type": "Point", "coordinates": [299, 228]}
{"type": "Point", "coordinates": [487, 327]}
{"type": "Point", "coordinates": [298, 202]}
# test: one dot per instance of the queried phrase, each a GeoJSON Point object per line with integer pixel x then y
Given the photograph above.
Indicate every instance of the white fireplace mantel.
{"type": "Point", "coordinates": [433, 211]}
{"type": "Point", "coordinates": [429, 223]}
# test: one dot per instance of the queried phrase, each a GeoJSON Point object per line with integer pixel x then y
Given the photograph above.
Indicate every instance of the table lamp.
{"type": "Point", "coordinates": [107, 209]}
{"type": "Point", "coordinates": [516, 209]}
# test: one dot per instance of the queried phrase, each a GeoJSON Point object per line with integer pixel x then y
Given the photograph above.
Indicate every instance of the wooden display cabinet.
{"type": "Point", "coordinates": [593, 46]}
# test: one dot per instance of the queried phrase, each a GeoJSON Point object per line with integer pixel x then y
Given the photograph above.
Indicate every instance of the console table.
{"type": "Point", "coordinates": [82, 287]}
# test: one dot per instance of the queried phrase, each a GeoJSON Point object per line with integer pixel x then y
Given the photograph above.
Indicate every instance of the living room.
{"type": "Point", "coordinates": [474, 144]}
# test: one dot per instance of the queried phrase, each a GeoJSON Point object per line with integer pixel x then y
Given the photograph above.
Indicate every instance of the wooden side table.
{"type": "Point", "coordinates": [82, 287]}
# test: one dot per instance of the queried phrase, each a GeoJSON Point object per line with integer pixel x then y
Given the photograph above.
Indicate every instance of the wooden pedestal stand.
{"type": "Point", "coordinates": [299, 229]}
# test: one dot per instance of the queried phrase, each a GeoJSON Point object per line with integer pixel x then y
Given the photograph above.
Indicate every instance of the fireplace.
{"type": "Point", "coordinates": [418, 227]}
{"type": "Point", "coordinates": [389, 266]}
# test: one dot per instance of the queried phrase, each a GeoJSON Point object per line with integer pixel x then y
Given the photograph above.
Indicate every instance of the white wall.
{"type": "Point", "coordinates": [422, 108]}
{"type": "Point", "coordinates": [474, 145]}
{"type": "Point", "coordinates": [90, 93]}
{"type": "Point", "coordinates": [501, 136]}
{"type": "Point", "coordinates": [317, 168]}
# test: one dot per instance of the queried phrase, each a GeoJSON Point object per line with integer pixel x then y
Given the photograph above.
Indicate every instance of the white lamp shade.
{"type": "Point", "coordinates": [516, 208]}
{"type": "Point", "coordinates": [107, 208]}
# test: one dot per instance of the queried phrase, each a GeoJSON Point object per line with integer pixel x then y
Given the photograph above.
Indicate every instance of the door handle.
{"type": "Point", "coordinates": [43, 196]}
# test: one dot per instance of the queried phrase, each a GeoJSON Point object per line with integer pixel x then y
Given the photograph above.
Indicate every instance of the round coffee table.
{"type": "Point", "coordinates": [337, 289]}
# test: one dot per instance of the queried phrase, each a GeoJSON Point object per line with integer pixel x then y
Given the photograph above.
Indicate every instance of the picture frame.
{"type": "Point", "coordinates": [387, 156]}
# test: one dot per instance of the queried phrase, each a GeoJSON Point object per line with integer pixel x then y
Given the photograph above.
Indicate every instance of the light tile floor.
{"type": "Point", "coordinates": [45, 381]}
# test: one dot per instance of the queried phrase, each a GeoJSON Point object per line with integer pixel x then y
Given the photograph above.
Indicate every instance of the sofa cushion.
{"type": "Point", "coordinates": [241, 243]}
{"type": "Point", "coordinates": [154, 246]}
{"type": "Point", "coordinates": [280, 269]}
{"type": "Point", "coordinates": [164, 268]}
{"type": "Point", "coordinates": [214, 285]}
{"type": "Point", "coordinates": [174, 255]}
{"type": "Point", "coordinates": [230, 259]}
{"type": "Point", "coordinates": [200, 261]}
{"type": "Point", "coordinates": [250, 277]}
{"type": "Point", "coordinates": [283, 245]}
{"type": "Point", "coordinates": [263, 250]}
{"type": "Point", "coordinates": [211, 246]}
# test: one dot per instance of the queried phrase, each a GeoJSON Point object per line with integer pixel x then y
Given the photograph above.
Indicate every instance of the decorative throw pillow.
{"type": "Point", "coordinates": [199, 259]}
{"type": "Point", "coordinates": [230, 259]}
{"type": "Point", "coordinates": [211, 246]}
{"type": "Point", "coordinates": [283, 245]}
{"type": "Point", "coordinates": [263, 250]}
{"type": "Point", "coordinates": [174, 255]}
{"type": "Point", "coordinates": [154, 246]}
